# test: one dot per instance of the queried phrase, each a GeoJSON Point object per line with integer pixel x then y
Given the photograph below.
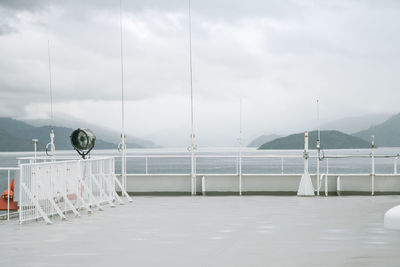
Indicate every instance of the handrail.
{"type": "Point", "coordinates": [232, 155]}
{"type": "Point", "coordinates": [9, 168]}
{"type": "Point", "coordinates": [65, 161]}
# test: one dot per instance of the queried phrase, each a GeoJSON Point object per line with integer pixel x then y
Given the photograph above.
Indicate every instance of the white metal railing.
{"type": "Point", "coordinates": [23, 160]}
{"type": "Point", "coordinates": [9, 170]}
{"type": "Point", "coordinates": [50, 188]}
{"type": "Point", "coordinates": [238, 162]}
{"type": "Point", "coordinates": [177, 164]}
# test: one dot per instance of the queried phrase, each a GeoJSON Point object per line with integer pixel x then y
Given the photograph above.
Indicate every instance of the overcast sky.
{"type": "Point", "coordinates": [279, 56]}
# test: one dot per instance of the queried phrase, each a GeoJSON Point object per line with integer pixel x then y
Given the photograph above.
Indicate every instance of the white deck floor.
{"type": "Point", "coordinates": [213, 231]}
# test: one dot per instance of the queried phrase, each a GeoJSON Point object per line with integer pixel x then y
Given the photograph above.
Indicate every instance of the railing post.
{"type": "Point", "coordinates": [373, 166]}
{"type": "Point", "coordinates": [192, 164]}
{"type": "Point", "coordinates": [240, 173]}
{"type": "Point", "coordinates": [147, 166]}
{"type": "Point", "coordinates": [318, 157]}
{"type": "Point", "coordinates": [395, 164]}
{"type": "Point", "coordinates": [281, 165]}
{"type": "Point", "coordinates": [8, 197]}
{"type": "Point", "coordinates": [326, 184]}
{"type": "Point", "coordinates": [203, 185]}
{"type": "Point", "coordinates": [327, 166]}
{"type": "Point", "coordinates": [21, 197]}
{"type": "Point", "coordinates": [195, 176]}
{"type": "Point", "coordinates": [237, 165]}
{"type": "Point", "coordinates": [326, 177]}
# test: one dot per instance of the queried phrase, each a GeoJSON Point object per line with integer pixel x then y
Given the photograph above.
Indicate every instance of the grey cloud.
{"type": "Point", "coordinates": [6, 29]}
{"type": "Point", "coordinates": [24, 5]}
{"type": "Point", "coordinates": [284, 53]}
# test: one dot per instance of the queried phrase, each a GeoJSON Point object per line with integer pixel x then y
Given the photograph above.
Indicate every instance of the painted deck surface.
{"type": "Point", "coordinates": [213, 231]}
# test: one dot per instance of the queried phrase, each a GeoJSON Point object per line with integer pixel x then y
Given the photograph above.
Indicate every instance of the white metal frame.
{"type": "Point", "coordinates": [8, 186]}
{"type": "Point", "coordinates": [59, 187]}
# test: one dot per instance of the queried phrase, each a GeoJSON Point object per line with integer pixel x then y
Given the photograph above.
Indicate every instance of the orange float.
{"type": "Point", "coordinates": [8, 195]}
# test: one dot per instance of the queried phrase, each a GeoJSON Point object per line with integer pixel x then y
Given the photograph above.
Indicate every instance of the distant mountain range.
{"type": "Point", "coordinates": [385, 128]}
{"type": "Point", "coordinates": [329, 140]}
{"type": "Point", "coordinates": [12, 143]}
{"type": "Point", "coordinates": [387, 134]}
{"type": "Point", "coordinates": [17, 136]}
{"type": "Point", "coordinates": [103, 133]}
{"type": "Point", "coordinates": [262, 139]}
{"type": "Point", "coordinates": [351, 125]}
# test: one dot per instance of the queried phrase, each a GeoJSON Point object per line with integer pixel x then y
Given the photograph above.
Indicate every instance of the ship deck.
{"type": "Point", "coordinates": [213, 231]}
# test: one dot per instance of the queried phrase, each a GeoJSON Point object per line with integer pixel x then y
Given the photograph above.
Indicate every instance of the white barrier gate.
{"type": "Point", "coordinates": [51, 188]}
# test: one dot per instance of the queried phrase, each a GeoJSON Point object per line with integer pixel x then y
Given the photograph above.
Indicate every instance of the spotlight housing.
{"type": "Point", "coordinates": [83, 141]}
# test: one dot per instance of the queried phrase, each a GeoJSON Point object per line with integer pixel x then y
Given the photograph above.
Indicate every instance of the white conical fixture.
{"type": "Point", "coordinates": [305, 187]}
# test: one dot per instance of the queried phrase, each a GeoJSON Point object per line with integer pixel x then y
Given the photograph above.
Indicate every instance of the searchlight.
{"type": "Point", "coordinates": [83, 141]}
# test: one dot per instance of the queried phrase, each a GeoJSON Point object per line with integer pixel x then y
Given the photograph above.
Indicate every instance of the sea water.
{"type": "Point", "coordinates": [225, 161]}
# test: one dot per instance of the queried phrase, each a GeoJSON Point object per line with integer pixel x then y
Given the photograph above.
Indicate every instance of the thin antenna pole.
{"type": "Point", "coordinates": [319, 132]}
{"type": "Point", "coordinates": [123, 145]}
{"type": "Point", "coordinates": [50, 86]}
{"type": "Point", "coordinates": [122, 70]}
{"type": "Point", "coordinates": [240, 149]}
{"type": "Point", "coordinates": [52, 135]}
{"type": "Point", "coordinates": [191, 68]}
{"type": "Point", "coordinates": [318, 149]}
{"type": "Point", "coordinates": [192, 145]}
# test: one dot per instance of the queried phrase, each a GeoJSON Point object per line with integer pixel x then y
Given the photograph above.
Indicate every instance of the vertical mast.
{"type": "Point", "coordinates": [51, 144]}
{"type": "Point", "coordinates": [192, 136]}
{"type": "Point", "coordinates": [50, 85]}
{"type": "Point", "coordinates": [318, 148]}
{"type": "Point", "coordinates": [319, 132]}
{"type": "Point", "coordinates": [240, 148]}
{"type": "Point", "coordinates": [122, 144]}
{"type": "Point", "coordinates": [373, 165]}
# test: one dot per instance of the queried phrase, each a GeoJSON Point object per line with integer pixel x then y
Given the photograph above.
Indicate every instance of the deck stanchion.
{"type": "Point", "coordinates": [326, 177]}
{"type": "Point", "coordinates": [305, 186]}
{"type": "Point", "coordinates": [22, 197]}
{"type": "Point", "coordinates": [373, 166]}
{"type": "Point", "coordinates": [8, 197]}
{"type": "Point", "coordinates": [240, 148]}
{"type": "Point", "coordinates": [237, 165]}
{"type": "Point", "coordinates": [192, 135]}
{"type": "Point", "coordinates": [318, 175]}
{"type": "Point", "coordinates": [326, 184]}
{"type": "Point", "coordinates": [318, 149]}
{"type": "Point", "coordinates": [240, 169]}
{"type": "Point", "coordinates": [318, 157]}
{"type": "Point", "coordinates": [147, 166]}
{"type": "Point", "coordinates": [281, 165]}
{"type": "Point", "coordinates": [35, 141]}
{"type": "Point", "coordinates": [395, 164]}
{"type": "Point", "coordinates": [203, 185]}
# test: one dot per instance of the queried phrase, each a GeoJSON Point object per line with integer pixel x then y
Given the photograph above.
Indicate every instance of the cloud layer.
{"type": "Point", "coordinates": [279, 56]}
